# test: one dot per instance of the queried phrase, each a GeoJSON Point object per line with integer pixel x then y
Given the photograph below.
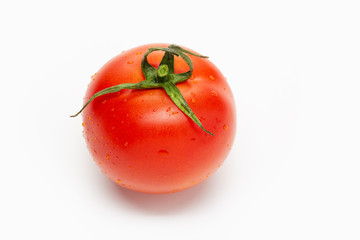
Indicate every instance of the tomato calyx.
{"type": "Point", "coordinates": [162, 77]}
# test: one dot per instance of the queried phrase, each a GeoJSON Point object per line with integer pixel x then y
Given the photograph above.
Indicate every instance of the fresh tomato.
{"type": "Point", "coordinates": [142, 140]}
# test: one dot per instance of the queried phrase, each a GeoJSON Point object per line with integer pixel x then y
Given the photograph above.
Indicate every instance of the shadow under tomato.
{"type": "Point", "coordinates": [164, 203]}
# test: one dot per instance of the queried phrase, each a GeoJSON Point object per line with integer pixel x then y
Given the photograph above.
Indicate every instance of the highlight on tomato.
{"type": "Point", "coordinates": [158, 118]}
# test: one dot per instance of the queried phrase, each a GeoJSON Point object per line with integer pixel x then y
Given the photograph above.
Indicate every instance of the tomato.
{"type": "Point", "coordinates": [142, 140]}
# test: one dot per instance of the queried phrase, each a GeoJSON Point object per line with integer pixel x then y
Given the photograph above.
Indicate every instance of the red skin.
{"type": "Point", "coordinates": [142, 141]}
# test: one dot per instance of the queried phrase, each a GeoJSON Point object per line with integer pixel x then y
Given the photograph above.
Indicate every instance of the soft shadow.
{"type": "Point", "coordinates": [163, 204]}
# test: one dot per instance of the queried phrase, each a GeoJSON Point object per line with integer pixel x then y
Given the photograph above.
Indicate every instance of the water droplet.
{"type": "Point", "coordinates": [112, 127]}
{"type": "Point", "coordinates": [95, 138]}
{"type": "Point", "coordinates": [112, 109]}
{"type": "Point", "coordinates": [138, 53]}
{"type": "Point", "coordinates": [192, 77]}
{"type": "Point", "coordinates": [212, 77]}
{"type": "Point", "coordinates": [93, 76]}
{"type": "Point", "coordinates": [163, 152]}
{"type": "Point", "coordinates": [89, 117]}
{"type": "Point", "coordinates": [118, 180]}
{"type": "Point", "coordinates": [126, 143]}
{"type": "Point", "coordinates": [107, 156]}
{"type": "Point", "coordinates": [213, 93]}
{"type": "Point", "coordinates": [193, 100]}
{"type": "Point", "coordinates": [168, 110]}
{"type": "Point", "coordinates": [103, 102]}
{"type": "Point", "coordinates": [130, 62]}
{"type": "Point", "coordinates": [83, 124]}
{"type": "Point", "coordinates": [225, 127]}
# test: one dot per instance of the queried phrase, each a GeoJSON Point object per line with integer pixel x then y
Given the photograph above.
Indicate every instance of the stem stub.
{"type": "Point", "coordinates": [162, 77]}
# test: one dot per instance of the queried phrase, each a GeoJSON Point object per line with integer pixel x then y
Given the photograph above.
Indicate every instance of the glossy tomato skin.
{"type": "Point", "coordinates": [142, 141]}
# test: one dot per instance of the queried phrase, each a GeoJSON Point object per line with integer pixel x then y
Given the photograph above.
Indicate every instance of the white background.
{"type": "Point", "coordinates": [293, 173]}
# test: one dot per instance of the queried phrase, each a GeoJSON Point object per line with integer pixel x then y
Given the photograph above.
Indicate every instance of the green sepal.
{"type": "Point", "coordinates": [174, 93]}
{"type": "Point", "coordinates": [117, 88]}
{"type": "Point", "coordinates": [163, 77]}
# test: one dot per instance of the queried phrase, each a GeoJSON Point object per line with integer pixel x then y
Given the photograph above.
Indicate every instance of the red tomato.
{"type": "Point", "coordinates": [142, 141]}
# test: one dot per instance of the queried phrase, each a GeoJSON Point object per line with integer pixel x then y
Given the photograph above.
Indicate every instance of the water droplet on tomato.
{"type": "Point", "coordinates": [213, 93]}
{"type": "Point", "coordinates": [225, 127]}
{"type": "Point", "coordinates": [83, 124]}
{"type": "Point", "coordinates": [126, 143]}
{"type": "Point", "coordinates": [93, 76]}
{"type": "Point", "coordinates": [118, 180]}
{"type": "Point", "coordinates": [130, 62]}
{"type": "Point", "coordinates": [192, 77]}
{"type": "Point", "coordinates": [107, 156]}
{"type": "Point", "coordinates": [103, 102]}
{"type": "Point", "coordinates": [212, 77]}
{"type": "Point", "coordinates": [163, 152]}
{"type": "Point", "coordinates": [193, 100]}
{"type": "Point", "coordinates": [138, 53]}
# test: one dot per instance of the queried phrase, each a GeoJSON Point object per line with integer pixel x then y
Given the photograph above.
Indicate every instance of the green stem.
{"type": "Point", "coordinates": [163, 77]}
